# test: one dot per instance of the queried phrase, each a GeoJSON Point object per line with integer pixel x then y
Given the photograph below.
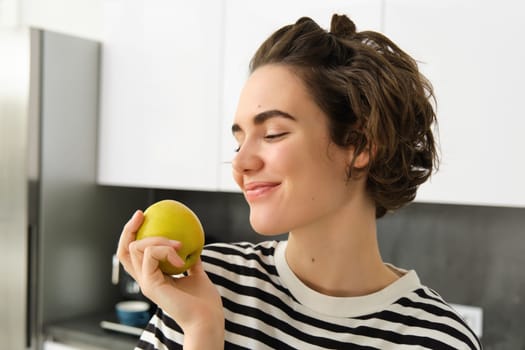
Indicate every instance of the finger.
{"type": "Point", "coordinates": [132, 226]}
{"type": "Point", "coordinates": [126, 237]}
{"type": "Point", "coordinates": [142, 244]}
{"type": "Point", "coordinates": [128, 234]}
{"type": "Point", "coordinates": [138, 248]}
{"type": "Point", "coordinates": [154, 254]}
{"type": "Point", "coordinates": [134, 261]}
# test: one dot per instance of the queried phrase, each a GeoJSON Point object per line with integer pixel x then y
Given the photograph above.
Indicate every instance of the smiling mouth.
{"type": "Point", "coordinates": [253, 191]}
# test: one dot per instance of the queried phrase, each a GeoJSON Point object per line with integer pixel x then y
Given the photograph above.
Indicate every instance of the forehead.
{"type": "Point", "coordinates": [274, 87]}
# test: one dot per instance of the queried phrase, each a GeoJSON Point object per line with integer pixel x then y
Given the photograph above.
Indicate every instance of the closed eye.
{"type": "Point", "coordinates": [269, 138]}
{"type": "Point", "coordinates": [275, 136]}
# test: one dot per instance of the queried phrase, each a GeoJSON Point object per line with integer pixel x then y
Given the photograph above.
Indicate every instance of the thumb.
{"type": "Point", "coordinates": [128, 234]}
{"type": "Point", "coordinates": [136, 221]}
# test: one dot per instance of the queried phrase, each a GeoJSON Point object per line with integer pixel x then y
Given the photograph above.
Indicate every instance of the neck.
{"type": "Point", "coordinates": [340, 256]}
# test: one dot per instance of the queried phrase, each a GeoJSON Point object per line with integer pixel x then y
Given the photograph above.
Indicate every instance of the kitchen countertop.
{"type": "Point", "coordinates": [87, 331]}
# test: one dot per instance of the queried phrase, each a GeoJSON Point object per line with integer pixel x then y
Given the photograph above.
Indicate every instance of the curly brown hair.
{"type": "Point", "coordinates": [374, 95]}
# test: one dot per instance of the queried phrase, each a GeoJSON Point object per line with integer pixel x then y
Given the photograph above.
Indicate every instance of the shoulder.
{"type": "Point", "coordinates": [424, 309]}
{"type": "Point", "coordinates": [420, 311]}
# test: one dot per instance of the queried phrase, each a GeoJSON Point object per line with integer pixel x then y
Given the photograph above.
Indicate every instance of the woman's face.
{"type": "Point", "coordinates": [290, 173]}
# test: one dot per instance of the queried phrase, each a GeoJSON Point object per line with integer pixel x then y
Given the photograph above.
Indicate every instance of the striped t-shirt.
{"type": "Point", "coordinates": [267, 307]}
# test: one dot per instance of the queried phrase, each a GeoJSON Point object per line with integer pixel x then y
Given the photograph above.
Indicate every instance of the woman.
{"type": "Point", "coordinates": [334, 130]}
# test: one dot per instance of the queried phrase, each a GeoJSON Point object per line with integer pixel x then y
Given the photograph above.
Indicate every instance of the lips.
{"type": "Point", "coordinates": [257, 190]}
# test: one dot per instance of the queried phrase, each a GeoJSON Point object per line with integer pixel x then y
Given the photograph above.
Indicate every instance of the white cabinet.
{"type": "Point", "coordinates": [171, 77]}
{"type": "Point", "coordinates": [160, 103]}
{"type": "Point", "coordinates": [82, 18]}
{"type": "Point", "coordinates": [472, 53]}
{"type": "Point", "coordinates": [248, 25]}
{"type": "Point", "coordinates": [172, 73]}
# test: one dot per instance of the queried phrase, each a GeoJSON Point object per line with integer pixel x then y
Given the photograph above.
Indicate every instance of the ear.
{"type": "Point", "coordinates": [360, 160]}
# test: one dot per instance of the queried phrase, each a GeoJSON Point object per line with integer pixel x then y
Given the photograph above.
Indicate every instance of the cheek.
{"type": "Point", "coordinates": [285, 159]}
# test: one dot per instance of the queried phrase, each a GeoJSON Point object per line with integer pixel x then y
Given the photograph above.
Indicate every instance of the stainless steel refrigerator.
{"type": "Point", "coordinates": [58, 228]}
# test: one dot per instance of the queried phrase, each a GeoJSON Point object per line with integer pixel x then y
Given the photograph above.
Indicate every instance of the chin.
{"type": "Point", "coordinates": [266, 226]}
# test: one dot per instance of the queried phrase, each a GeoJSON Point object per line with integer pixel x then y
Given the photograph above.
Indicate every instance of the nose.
{"type": "Point", "coordinates": [247, 159]}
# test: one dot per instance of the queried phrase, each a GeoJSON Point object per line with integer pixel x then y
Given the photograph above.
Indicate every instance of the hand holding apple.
{"type": "Point", "coordinates": [175, 221]}
{"type": "Point", "coordinates": [193, 301]}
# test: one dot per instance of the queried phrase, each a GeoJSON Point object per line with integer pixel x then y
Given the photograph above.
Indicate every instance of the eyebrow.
{"type": "Point", "coordinates": [262, 117]}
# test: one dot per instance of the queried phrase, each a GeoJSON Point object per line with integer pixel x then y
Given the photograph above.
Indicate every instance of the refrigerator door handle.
{"type": "Point", "coordinates": [31, 293]}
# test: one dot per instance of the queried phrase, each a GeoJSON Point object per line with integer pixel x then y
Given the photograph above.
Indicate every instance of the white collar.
{"type": "Point", "coordinates": [344, 306]}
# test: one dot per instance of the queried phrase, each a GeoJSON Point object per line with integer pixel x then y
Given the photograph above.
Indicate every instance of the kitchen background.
{"type": "Point", "coordinates": [169, 78]}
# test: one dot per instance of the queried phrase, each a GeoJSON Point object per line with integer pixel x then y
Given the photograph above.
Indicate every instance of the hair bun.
{"type": "Point", "coordinates": [342, 26]}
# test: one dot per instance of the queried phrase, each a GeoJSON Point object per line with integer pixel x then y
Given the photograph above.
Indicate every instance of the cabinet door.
{"type": "Point", "coordinates": [472, 53]}
{"type": "Point", "coordinates": [160, 103]}
{"type": "Point", "coordinates": [247, 25]}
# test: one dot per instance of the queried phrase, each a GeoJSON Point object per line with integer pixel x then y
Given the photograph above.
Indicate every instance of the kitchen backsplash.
{"type": "Point", "coordinates": [471, 255]}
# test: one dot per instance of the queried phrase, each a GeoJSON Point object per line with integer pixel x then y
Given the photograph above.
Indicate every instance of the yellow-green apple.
{"type": "Point", "coordinates": [175, 221]}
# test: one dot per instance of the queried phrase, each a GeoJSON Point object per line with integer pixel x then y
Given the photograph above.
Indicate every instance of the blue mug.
{"type": "Point", "coordinates": [133, 313]}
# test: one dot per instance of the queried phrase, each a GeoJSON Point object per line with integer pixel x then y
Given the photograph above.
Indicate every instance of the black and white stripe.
{"type": "Point", "coordinates": [261, 313]}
